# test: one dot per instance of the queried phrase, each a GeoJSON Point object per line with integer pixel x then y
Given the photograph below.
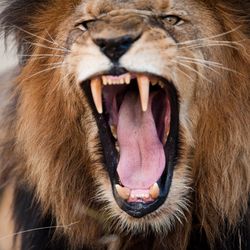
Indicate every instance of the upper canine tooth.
{"type": "Point", "coordinates": [143, 84]}
{"type": "Point", "coordinates": [123, 192]}
{"type": "Point", "coordinates": [96, 89]}
{"type": "Point", "coordinates": [154, 191]}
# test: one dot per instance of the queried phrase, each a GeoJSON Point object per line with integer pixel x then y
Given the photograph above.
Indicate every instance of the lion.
{"type": "Point", "coordinates": [126, 125]}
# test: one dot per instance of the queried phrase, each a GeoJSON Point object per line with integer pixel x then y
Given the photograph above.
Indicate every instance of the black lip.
{"type": "Point", "coordinates": [110, 153]}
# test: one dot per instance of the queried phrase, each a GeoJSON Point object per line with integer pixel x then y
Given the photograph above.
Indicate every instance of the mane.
{"type": "Point", "coordinates": [222, 175]}
{"type": "Point", "coordinates": [42, 158]}
{"type": "Point", "coordinates": [16, 18]}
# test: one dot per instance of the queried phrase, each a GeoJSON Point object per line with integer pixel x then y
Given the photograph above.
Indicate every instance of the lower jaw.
{"type": "Point", "coordinates": [141, 209]}
{"type": "Point", "coordinates": [111, 155]}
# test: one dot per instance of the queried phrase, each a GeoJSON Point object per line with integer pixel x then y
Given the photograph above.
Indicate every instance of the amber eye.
{"type": "Point", "coordinates": [172, 20]}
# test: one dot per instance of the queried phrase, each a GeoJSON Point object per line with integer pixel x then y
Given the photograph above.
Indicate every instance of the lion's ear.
{"type": "Point", "coordinates": [16, 19]}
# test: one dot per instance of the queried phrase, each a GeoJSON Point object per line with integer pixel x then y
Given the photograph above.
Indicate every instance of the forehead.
{"type": "Point", "coordinates": [97, 7]}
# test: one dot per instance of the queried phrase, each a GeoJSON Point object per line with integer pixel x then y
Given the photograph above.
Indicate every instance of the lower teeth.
{"type": "Point", "coordinates": [114, 131]}
{"type": "Point", "coordinates": [126, 193]}
{"type": "Point", "coordinates": [117, 147]}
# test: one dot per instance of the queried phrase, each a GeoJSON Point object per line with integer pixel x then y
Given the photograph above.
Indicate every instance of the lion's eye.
{"type": "Point", "coordinates": [84, 26]}
{"type": "Point", "coordinates": [172, 20]}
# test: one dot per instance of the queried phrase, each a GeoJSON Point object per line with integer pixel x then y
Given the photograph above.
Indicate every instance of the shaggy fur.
{"type": "Point", "coordinates": [50, 146]}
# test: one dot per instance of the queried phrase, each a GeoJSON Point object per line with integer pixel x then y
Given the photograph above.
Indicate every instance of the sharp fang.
{"type": "Point", "coordinates": [143, 84]}
{"type": "Point", "coordinates": [123, 192]}
{"type": "Point", "coordinates": [96, 89]}
{"type": "Point", "coordinates": [154, 191]}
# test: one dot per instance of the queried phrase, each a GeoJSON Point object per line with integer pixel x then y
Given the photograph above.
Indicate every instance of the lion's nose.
{"type": "Point", "coordinates": [115, 48]}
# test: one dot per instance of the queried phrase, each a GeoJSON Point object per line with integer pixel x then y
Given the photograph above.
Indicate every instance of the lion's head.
{"type": "Point", "coordinates": [133, 116]}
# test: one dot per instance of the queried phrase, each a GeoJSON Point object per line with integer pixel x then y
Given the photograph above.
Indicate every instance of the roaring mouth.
{"type": "Point", "coordinates": [138, 116]}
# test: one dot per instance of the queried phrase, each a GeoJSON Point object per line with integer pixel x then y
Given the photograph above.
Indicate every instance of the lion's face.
{"type": "Point", "coordinates": [142, 63]}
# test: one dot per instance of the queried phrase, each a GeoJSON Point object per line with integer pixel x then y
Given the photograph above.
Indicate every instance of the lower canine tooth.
{"type": "Point", "coordinates": [123, 192]}
{"type": "Point", "coordinates": [96, 89]}
{"type": "Point", "coordinates": [154, 191]}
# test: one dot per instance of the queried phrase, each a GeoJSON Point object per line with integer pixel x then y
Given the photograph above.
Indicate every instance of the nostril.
{"type": "Point", "coordinates": [101, 43]}
{"type": "Point", "coordinates": [126, 42]}
{"type": "Point", "coordinates": [116, 47]}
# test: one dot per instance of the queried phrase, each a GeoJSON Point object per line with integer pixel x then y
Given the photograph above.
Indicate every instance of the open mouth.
{"type": "Point", "coordinates": [138, 116]}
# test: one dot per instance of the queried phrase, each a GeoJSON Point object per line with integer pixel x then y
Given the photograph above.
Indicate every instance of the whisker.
{"type": "Point", "coordinates": [40, 55]}
{"type": "Point", "coordinates": [55, 64]}
{"type": "Point", "coordinates": [205, 63]}
{"type": "Point", "coordinates": [184, 73]}
{"type": "Point", "coordinates": [42, 71]}
{"type": "Point", "coordinates": [36, 229]}
{"type": "Point", "coordinates": [201, 64]}
{"type": "Point", "coordinates": [46, 47]}
{"type": "Point", "coordinates": [39, 37]}
{"type": "Point", "coordinates": [210, 37]}
{"type": "Point", "coordinates": [197, 72]}
{"type": "Point", "coordinates": [224, 44]}
{"type": "Point", "coordinates": [200, 60]}
{"type": "Point", "coordinates": [55, 42]}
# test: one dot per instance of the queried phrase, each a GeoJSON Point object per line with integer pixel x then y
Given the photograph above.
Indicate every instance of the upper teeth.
{"type": "Point", "coordinates": [143, 85]}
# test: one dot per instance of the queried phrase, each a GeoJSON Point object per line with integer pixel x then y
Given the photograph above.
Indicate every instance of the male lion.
{"type": "Point", "coordinates": [127, 125]}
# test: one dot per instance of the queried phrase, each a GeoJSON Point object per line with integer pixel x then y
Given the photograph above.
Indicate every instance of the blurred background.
{"type": "Point", "coordinates": [7, 57]}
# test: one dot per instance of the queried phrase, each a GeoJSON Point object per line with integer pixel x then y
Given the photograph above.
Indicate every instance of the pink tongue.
{"type": "Point", "coordinates": [142, 158]}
